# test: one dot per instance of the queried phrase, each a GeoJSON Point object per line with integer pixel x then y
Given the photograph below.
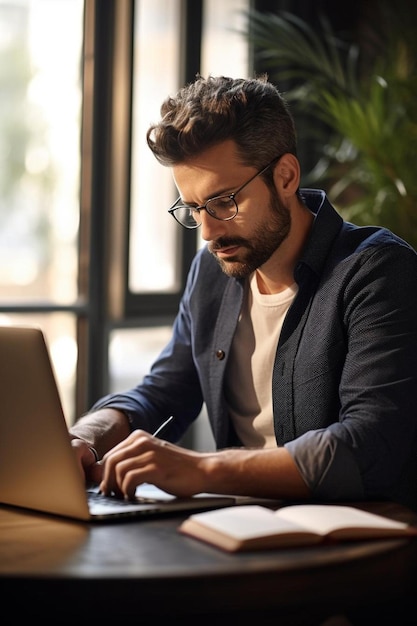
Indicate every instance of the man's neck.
{"type": "Point", "coordinates": [277, 274]}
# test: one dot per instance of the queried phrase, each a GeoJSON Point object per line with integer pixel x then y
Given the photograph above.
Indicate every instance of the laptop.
{"type": "Point", "coordinates": [38, 469]}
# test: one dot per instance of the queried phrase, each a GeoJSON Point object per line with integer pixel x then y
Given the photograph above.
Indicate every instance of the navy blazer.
{"type": "Point", "coordinates": [345, 373]}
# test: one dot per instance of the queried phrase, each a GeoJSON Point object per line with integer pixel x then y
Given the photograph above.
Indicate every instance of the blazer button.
{"type": "Point", "coordinates": [220, 354]}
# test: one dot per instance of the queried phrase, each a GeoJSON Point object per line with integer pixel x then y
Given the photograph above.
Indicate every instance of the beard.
{"type": "Point", "coordinates": [267, 237]}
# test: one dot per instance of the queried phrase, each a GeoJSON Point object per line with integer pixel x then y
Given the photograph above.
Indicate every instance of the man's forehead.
{"type": "Point", "coordinates": [214, 171]}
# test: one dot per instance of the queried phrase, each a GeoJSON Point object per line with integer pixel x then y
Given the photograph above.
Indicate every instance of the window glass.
{"type": "Point", "coordinates": [153, 233]}
{"type": "Point", "coordinates": [224, 49]}
{"type": "Point", "coordinates": [40, 104]}
{"type": "Point", "coordinates": [40, 110]}
{"type": "Point", "coordinates": [132, 352]}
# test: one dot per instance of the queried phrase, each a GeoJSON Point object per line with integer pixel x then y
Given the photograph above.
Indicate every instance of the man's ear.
{"type": "Point", "coordinates": [287, 175]}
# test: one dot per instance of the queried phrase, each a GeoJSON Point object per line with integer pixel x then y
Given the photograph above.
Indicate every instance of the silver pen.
{"type": "Point", "coordinates": [163, 425]}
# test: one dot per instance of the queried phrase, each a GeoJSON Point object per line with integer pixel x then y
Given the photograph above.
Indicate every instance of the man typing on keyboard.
{"type": "Point", "coordinates": [297, 330]}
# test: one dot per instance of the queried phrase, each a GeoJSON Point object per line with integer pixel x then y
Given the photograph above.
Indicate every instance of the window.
{"type": "Point", "coordinates": [156, 73]}
{"type": "Point", "coordinates": [224, 49]}
{"type": "Point", "coordinates": [40, 86]}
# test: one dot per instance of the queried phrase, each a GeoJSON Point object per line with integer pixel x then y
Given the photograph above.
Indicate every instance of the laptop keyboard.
{"type": "Point", "coordinates": [95, 497]}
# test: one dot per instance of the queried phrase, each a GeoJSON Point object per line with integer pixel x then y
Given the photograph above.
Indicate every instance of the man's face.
{"type": "Point", "coordinates": [248, 241]}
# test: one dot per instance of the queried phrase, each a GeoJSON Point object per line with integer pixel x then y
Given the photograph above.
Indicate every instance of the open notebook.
{"type": "Point", "coordinates": [38, 469]}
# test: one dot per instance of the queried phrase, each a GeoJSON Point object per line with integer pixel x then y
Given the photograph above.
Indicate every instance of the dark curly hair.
{"type": "Point", "coordinates": [251, 112]}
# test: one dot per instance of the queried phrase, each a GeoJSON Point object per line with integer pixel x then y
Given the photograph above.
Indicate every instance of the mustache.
{"type": "Point", "coordinates": [227, 242]}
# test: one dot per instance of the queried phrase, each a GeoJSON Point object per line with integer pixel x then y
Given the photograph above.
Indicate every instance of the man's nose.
{"type": "Point", "coordinates": [210, 227]}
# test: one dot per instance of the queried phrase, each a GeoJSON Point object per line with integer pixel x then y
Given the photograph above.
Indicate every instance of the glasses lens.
{"type": "Point", "coordinates": [187, 217]}
{"type": "Point", "coordinates": [222, 207]}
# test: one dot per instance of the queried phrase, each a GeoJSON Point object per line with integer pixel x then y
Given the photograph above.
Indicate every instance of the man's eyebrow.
{"type": "Point", "coordinates": [216, 194]}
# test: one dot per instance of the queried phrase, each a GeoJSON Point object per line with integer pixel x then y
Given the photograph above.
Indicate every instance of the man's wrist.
{"type": "Point", "coordinates": [90, 447]}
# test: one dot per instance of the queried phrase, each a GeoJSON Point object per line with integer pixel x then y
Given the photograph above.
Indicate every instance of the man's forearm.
{"type": "Point", "coordinates": [260, 473]}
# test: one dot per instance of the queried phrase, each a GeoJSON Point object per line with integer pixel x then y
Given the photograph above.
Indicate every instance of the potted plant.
{"type": "Point", "coordinates": [357, 102]}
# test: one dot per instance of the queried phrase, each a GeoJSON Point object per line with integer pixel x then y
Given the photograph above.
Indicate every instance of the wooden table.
{"type": "Point", "coordinates": [59, 571]}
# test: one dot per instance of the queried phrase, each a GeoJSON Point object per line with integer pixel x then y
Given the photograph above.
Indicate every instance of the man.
{"type": "Point", "coordinates": [298, 330]}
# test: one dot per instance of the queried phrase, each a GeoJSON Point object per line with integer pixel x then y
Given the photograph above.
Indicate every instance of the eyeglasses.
{"type": "Point", "coordinates": [223, 208]}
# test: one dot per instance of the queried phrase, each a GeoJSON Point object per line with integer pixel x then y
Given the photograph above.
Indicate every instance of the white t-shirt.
{"type": "Point", "coordinates": [249, 371]}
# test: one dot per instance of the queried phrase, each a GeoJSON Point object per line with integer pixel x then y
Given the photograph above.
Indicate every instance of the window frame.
{"type": "Point", "coordinates": [106, 181]}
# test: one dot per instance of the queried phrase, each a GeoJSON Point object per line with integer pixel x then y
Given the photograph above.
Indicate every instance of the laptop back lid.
{"type": "Point", "coordinates": [38, 469]}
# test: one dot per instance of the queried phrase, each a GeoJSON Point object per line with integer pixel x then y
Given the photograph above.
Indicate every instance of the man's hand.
{"type": "Point", "coordinates": [141, 458]}
{"type": "Point", "coordinates": [107, 427]}
{"type": "Point", "coordinates": [90, 469]}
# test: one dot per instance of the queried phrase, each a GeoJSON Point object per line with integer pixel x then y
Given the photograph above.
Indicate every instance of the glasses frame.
{"type": "Point", "coordinates": [231, 196]}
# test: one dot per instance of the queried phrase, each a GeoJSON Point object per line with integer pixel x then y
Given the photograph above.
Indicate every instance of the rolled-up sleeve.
{"type": "Point", "coordinates": [327, 465]}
